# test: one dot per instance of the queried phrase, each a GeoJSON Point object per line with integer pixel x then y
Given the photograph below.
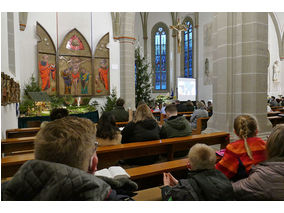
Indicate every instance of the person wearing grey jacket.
{"type": "Point", "coordinates": [200, 112]}
{"type": "Point", "coordinates": [266, 180]}
{"type": "Point", "coordinates": [65, 160]}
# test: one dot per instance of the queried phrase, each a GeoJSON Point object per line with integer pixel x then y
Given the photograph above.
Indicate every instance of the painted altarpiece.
{"type": "Point", "coordinates": [101, 67]}
{"type": "Point", "coordinates": [46, 57]}
{"type": "Point", "coordinates": [75, 66]}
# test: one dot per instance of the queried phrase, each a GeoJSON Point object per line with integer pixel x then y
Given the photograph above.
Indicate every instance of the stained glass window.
{"type": "Point", "coordinates": [160, 59]}
{"type": "Point", "coordinates": [188, 43]}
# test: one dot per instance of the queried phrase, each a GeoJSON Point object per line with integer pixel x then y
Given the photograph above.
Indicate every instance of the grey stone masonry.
{"type": "Point", "coordinates": [239, 70]}
{"type": "Point", "coordinates": [127, 69]}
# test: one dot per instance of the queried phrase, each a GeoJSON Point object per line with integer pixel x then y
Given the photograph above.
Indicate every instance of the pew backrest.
{"type": "Point", "coordinates": [131, 150]}
{"type": "Point", "coordinates": [22, 132]}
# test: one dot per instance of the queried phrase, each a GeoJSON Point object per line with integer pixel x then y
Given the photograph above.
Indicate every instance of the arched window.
{"type": "Point", "coordinates": [187, 49]}
{"type": "Point", "coordinates": [160, 55]}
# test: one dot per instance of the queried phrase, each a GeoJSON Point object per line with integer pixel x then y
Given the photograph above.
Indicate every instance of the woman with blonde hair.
{"type": "Point", "coordinates": [144, 127]}
{"type": "Point", "coordinates": [266, 180]}
{"type": "Point", "coordinates": [240, 155]}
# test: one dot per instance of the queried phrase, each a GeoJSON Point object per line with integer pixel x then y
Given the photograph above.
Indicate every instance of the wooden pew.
{"type": "Point", "coordinates": [200, 125]}
{"type": "Point", "coordinates": [276, 120]}
{"type": "Point", "coordinates": [17, 145]}
{"type": "Point", "coordinates": [22, 132]}
{"type": "Point", "coordinates": [269, 114]}
{"type": "Point", "coordinates": [169, 146]}
{"type": "Point", "coordinates": [152, 175]}
{"type": "Point", "coordinates": [29, 132]}
{"type": "Point", "coordinates": [121, 124]}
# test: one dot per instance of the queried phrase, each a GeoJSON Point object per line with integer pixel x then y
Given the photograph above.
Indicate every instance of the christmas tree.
{"type": "Point", "coordinates": [111, 101]}
{"type": "Point", "coordinates": [143, 87]}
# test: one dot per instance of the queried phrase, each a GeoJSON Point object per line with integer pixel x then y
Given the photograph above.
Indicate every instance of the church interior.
{"type": "Point", "coordinates": [87, 61]}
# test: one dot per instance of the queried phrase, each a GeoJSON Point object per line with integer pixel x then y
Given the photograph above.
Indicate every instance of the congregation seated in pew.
{"type": "Point", "coordinates": [175, 126]}
{"type": "Point", "coordinates": [107, 131]}
{"type": "Point", "coordinates": [119, 112]}
{"type": "Point", "coordinates": [204, 182]}
{"type": "Point", "coordinates": [240, 155]}
{"type": "Point", "coordinates": [200, 112]}
{"type": "Point", "coordinates": [144, 127]}
{"type": "Point", "coordinates": [65, 160]}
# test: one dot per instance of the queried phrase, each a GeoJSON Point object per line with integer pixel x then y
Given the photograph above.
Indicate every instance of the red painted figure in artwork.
{"type": "Point", "coordinates": [103, 73]}
{"type": "Point", "coordinates": [45, 70]}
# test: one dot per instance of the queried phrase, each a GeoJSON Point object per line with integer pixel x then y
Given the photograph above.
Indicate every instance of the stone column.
{"type": "Point", "coordinates": [239, 70]}
{"type": "Point", "coordinates": [127, 70]}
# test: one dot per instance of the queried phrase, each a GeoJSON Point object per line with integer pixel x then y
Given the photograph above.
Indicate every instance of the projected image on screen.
{"type": "Point", "coordinates": [186, 89]}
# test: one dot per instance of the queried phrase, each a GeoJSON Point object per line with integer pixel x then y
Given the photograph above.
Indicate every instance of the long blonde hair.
{"type": "Point", "coordinates": [142, 113]}
{"type": "Point", "coordinates": [245, 126]}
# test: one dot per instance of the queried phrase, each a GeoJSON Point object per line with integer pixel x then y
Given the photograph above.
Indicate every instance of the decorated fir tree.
{"type": "Point", "coordinates": [143, 86]}
{"type": "Point", "coordinates": [111, 101]}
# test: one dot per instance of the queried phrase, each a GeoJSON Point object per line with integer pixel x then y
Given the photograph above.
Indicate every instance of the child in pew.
{"type": "Point", "coordinates": [65, 160]}
{"type": "Point", "coordinates": [266, 180]}
{"type": "Point", "coordinates": [204, 182]}
{"type": "Point", "coordinates": [240, 155]}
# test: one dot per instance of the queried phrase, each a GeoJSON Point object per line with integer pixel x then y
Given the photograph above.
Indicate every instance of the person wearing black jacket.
{"type": "Point", "coordinates": [144, 127]}
{"type": "Point", "coordinates": [204, 182]}
{"type": "Point", "coordinates": [119, 112]}
{"type": "Point", "coordinates": [65, 160]}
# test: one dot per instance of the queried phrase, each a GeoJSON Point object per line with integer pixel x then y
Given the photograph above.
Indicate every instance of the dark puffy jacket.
{"type": "Point", "coordinates": [47, 181]}
{"type": "Point", "coordinates": [176, 126]}
{"type": "Point", "coordinates": [146, 130]}
{"type": "Point", "coordinates": [120, 114]}
{"type": "Point", "coordinates": [208, 184]}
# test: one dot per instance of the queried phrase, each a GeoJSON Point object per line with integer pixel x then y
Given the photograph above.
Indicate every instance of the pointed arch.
{"type": "Point", "coordinates": [46, 57]}
{"type": "Point", "coordinates": [160, 57]}
{"type": "Point", "coordinates": [75, 65]}
{"type": "Point", "coordinates": [102, 67]}
{"type": "Point", "coordinates": [187, 49]}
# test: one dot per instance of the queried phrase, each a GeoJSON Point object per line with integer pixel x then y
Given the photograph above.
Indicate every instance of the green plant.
{"type": "Point", "coordinates": [56, 101]}
{"type": "Point", "coordinates": [32, 86]}
{"type": "Point", "coordinates": [111, 101]}
{"type": "Point", "coordinates": [143, 87]}
{"type": "Point", "coordinates": [27, 103]}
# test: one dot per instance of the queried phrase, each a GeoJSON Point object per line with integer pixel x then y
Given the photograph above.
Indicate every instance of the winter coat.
{"type": "Point", "coordinates": [207, 184]}
{"type": "Point", "coordinates": [265, 182]}
{"type": "Point", "coordinates": [199, 113]}
{"type": "Point", "coordinates": [47, 181]}
{"type": "Point", "coordinates": [146, 130]}
{"type": "Point", "coordinates": [235, 163]}
{"type": "Point", "coordinates": [120, 114]}
{"type": "Point", "coordinates": [176, 126]}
